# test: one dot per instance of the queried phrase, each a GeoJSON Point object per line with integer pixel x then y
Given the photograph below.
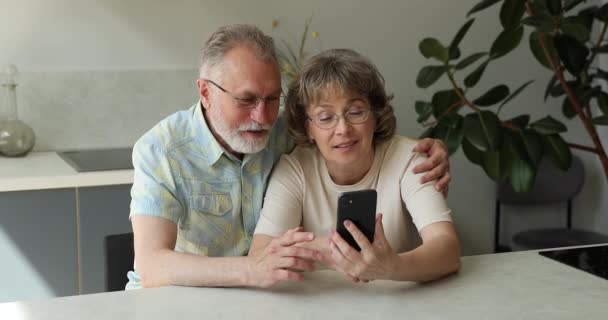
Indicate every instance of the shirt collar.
{"type": "Point", "coordinates": [209, 144]}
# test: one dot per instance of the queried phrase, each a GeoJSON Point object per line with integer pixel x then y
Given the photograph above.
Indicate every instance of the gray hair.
{"type": "Point", "coordinates": [231, 36]}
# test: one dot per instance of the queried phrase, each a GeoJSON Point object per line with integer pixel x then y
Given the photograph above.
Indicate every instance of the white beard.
{"type": "Point", "coordinates": [232, 136]}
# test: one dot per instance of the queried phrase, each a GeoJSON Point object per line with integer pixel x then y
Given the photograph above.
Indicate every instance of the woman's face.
{"type": "Point", "coordinates": [347, 143]}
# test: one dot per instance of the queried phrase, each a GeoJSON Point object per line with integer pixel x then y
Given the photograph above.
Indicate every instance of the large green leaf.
{"type": "Point", "coordinates": [550, 86]}
{"type": "Point", "coordinates": [602, 102]}
{"type": "Point", "coordinates": [567, 108]}
{"type": "Point", "coordinates": [569, 4]}
{"type": "Point", "coordinates": [470, 60]}
{"type": "Point", "coordinates": [482, 5]}
{"type": "Point", "coordinates": [482, 129]}
{"type": "Point", "coordinates": [533, 144]}
{"type": "Point", "coordinates": [431, 47]}
{"type": "Point", "coordinates": [491, 164]}
{"type": "Point", "coordinates": [601, 120]}
{"type": "Point", "coordinates": [443, 100]}
{"type": "Point", "coordinates": [515, 93]}
{"type": "Point", "coordinates": [424, 110]}
{"type": "Point", "coordinates": [428, 133]}
{"type": "Point", "coordinates": [587, 16]}
{"type": "Point", "coordinates": [461, 33]}
{"type": "Point", "coordinates": [536, 40]}
{"type": "Point", "coordinates": [511, 13]}
{"type": "Point", "coordinates": [473, 154]}
{"type": "Point", "coordinates": [572, 53]}
{"type": "Point", "coordinates": [572, 27]}
{"type": "Point", "coordinates": [520, 121]}
{"type": "Point", "coordinates": [522, 175]}
{"type": "Point", "coordinates": [451, 130]}
{"type": "Point", "coordinates": [541, 22]}
{"type": "Point", "coordinates": [492, 96]}
{"type": "Point", "coordinates": [602, 13]}
{"type": "Point", "coordinates": [548, 126]}
{"type": "Point", "coordinates": [506, 41]}
{"type": "Point", "coordinates": [473, 78]}
{"type": "Point", "coordinates": [497, 164]}
{"type": "Point", "coordinates": [558, 151]}
{"type": "Point", "coordinates": [429, 75]}
{"type": "Point", "coordinates": [454, 53]}
{"type": "Point", "coordinates": [554, 6]}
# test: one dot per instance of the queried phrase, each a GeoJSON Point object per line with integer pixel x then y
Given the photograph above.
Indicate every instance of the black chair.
{"type": "Point", "coordinates": [552, 185]}
{"type": "Point", "coordinates": [119, 254]}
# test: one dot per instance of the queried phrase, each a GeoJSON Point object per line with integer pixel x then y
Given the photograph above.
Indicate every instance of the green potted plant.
{"type": "Point", "coordinates": [509, 150]}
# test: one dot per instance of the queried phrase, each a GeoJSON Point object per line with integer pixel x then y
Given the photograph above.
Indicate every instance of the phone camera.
{"type": "Point", "coordinates": [350, 201]}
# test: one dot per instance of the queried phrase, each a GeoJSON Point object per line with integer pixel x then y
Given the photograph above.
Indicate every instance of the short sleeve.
{"type": "Point", "coordinates": [282, 208]}
{"type": "Point", "coordinates": [425, 204]}
{"type": "Point", "coordinates": [154, 191]}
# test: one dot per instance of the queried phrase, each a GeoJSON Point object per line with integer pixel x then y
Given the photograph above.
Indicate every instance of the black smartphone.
{"type": "Point", "coordinates": [360, 208]}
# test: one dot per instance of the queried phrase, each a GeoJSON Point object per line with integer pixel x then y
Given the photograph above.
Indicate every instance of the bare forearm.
{"type": "Point", "coordinates": [167, 267]}
{"type": "Point", "coordinates": [432, 260]}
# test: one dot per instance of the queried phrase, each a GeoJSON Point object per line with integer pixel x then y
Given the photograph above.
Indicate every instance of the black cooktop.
{"type": "Point", "coordinates": [589, 259]}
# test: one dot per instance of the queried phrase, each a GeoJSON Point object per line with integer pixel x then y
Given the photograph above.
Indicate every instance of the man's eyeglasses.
{"type": "Point", "coordinates": [251, 102]}
{"type": "Point", "coordinates": [329, 120]}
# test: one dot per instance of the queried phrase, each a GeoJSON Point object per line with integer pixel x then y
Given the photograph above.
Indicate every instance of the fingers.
{"type": "Point", "coordinates": [295, 264]}
{"type": "Point", "coordinates": [299, 252]}
{"type": "Point", "coordinates": [345, 249]}
{"type": "Point", "coordinates": [379, 231]}
{"type": "Point", "coordinates": [294, 236]}
{"type": "Point", "coordinates": [282, 275]}
{"type": "Point", "coordinates": [424, 145]}
{"type": "Point", "coordinates": [359, 237]}
{"type": "Point", "coordinates": [444, 183]}
{"type": "Point", "coordinates": [435, 173]}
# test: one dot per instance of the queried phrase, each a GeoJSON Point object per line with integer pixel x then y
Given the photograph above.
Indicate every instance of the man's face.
{"type": "Point", "coordinates": [243, 76]}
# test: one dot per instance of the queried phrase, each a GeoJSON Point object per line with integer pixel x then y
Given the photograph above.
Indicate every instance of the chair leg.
{"type": "Point", "coordinates": [497, 227]}
{"type": "Point", "coordinates": [569, 217]}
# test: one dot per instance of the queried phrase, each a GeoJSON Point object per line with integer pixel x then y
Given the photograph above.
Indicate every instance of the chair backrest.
{"type": "Point", "coordinates": [119, 254]}
{"type": "Point", "coordinates": [551, 185]}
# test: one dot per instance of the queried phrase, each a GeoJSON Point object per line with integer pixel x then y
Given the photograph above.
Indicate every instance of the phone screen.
{"type": "Point", "coordinates": [360, 208]}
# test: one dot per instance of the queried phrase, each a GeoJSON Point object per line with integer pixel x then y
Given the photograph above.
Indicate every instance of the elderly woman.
{"type": "Point", "coordinates": [343, 123]}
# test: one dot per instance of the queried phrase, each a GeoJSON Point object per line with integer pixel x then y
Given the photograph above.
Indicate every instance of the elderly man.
{"type": "Point", "coordinates": [200, 175]}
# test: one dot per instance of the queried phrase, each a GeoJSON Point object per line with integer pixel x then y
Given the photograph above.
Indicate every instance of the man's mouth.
{"type": "Point", "coordinates": [255, 133]}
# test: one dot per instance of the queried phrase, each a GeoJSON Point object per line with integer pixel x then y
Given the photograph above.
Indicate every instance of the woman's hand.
{"type": "Point", "coordinates": [376, 260]}
{"type": "Point", "coordinates": [437, 165]}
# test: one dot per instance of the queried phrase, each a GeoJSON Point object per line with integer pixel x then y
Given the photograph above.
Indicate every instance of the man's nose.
{"type": "Point", "coordinates": [261, 112]}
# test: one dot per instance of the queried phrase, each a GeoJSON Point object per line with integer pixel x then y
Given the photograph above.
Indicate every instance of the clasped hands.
{"type": "Point", "coordinates": [285, 257]}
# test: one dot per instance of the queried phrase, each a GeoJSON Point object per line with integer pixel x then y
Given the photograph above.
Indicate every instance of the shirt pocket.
{"type": "Point", "coordinates": [209, 221]}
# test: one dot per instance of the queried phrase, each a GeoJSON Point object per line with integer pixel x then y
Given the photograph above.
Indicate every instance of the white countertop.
{"type": "Point", "coordinates": [46, 170]}
{"type": "Point", "coordinates": [519, 285]}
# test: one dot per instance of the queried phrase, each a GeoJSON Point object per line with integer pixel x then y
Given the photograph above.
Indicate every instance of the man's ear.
{"type": "Point", "coordinates": [203, 92]}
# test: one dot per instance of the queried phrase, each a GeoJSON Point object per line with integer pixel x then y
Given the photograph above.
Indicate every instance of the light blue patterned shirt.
{"type": "Point", "coordinates": [183, 174]}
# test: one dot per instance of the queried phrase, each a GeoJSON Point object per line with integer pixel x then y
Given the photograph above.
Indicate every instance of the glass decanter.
{"type": "Point", "coordinates": [16, 137]}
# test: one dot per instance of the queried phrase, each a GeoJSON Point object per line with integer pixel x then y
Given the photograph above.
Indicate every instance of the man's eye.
{"type": "Point", "coordinates": [247, 101]}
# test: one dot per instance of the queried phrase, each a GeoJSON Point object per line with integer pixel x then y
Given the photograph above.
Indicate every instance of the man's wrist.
{"type": "Point", "coordinates": [248, 276]}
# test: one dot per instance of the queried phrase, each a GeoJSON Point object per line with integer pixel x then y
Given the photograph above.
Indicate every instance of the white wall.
{"type": "Point", "coordinates": [99, 73]}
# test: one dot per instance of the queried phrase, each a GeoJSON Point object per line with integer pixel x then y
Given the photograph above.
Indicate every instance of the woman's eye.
{"type": "Point", "coordinates": [324, 117]}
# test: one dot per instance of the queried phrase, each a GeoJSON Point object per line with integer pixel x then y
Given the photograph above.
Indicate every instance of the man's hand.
{"type": "Point", "coordinates": [376, 260]}
{"type": "Point", "coordinates": [281, 260]}
{"type": "Point", "coordinates": [437, 164]}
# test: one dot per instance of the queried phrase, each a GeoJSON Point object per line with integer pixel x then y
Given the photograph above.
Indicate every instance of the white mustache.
{"type": "Point", "coordinates": [254, 127]}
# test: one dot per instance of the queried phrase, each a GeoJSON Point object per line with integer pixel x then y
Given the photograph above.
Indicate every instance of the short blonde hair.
{"type": "Point", "coordinates": [346, 70]}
